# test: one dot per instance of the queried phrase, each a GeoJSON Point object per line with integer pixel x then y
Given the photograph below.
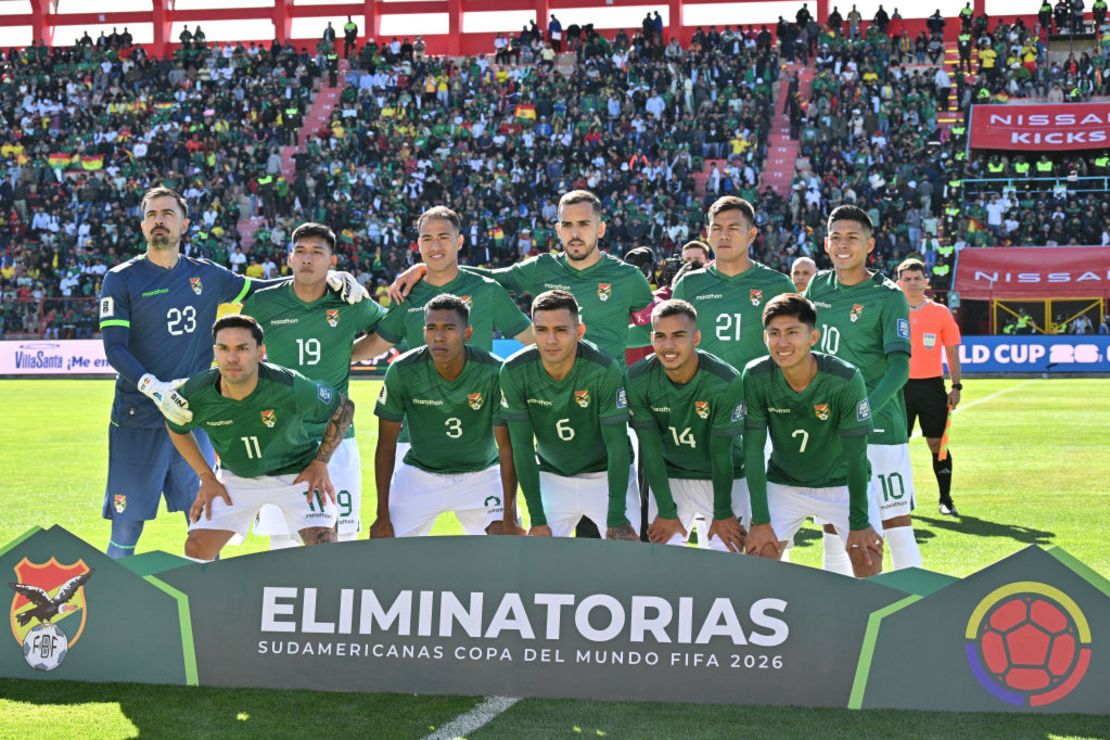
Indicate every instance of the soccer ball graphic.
{"type": "Point", "coordinates": [45, 646]}
{"type": "Point", "coordinates": [1028, 643]}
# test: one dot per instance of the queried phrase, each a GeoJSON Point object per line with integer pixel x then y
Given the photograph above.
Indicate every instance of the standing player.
{"type": "Point", "coordinates": [864, 319]}
{"type": "Point", "coordinates": [150, 309]}
{"type": "Point", "coordinates": [257, 416]}
{"type": "Point", "coordinates": [686, 408]}
{"type": "Point", "coordinates": [816, 409]}
{"type": "Point", "coordinates": [460, 458]}
{"type": "Point", "coordinates": [311, 330]}
{"type": "Point", "coordinates": [931, 327]}
{"type": "Point", "coordinates": [801, 272]}
{"type": "Point", "coordinates": [564, 402]}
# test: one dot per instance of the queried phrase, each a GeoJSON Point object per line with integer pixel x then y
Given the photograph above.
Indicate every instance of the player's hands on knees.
{"type": "Point", "coordinates": [381, 528]}
{"type": "Point", "coordinates": [763, 542]}
{"type": "Point", "coordinates": [210, 490]}
{"type": "Point", "coordinates": [506, 527]}
{"type": "Point", "coordinates": [317, 477]}
{"type": "Point", "coordinates": [622, 532]}
{"type": "Point", "coordinates": [867, 543]}
{"type": "Point", "coordinates": [401, 287]}
{"type": "Point", "coordinates": [730, 532]}
{"type": "Point", "coordinates": [662, 530]}
{"type": "Point", "coordinates": [539, 530]}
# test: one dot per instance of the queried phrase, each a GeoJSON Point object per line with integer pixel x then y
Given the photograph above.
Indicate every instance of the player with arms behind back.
{"type": "Point", "coordinates": [865, 320]}
{"type": "Point", "coordinates": [815, 407]}
{"type": "Point", "coordinates": [151, 308]}
{"type": "Point", "coordinates": [312, 331]}
{"type": "Point", "coordinates": [257, 415]}
{"type": "Point", "coordinates": [564, 402]}
{"type": "Point", "coordinates": [460, 458]}
{"type": "Point", "coordinates": [685, 406]}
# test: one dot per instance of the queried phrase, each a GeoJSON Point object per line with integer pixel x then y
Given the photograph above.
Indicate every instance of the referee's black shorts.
{"type": "Point", "coordinates": [926, 399]}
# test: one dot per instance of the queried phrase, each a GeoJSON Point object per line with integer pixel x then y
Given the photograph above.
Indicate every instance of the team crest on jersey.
{"type": "Point", "coordinates": [196, 285]}
{"type": "Point", "coordinates": [119, 502]}
{"type": "Point", "coordinates": [821, 410]}
{"type": "Point", "coordinates": [475, 401]}
{"type": "Point", "coordinates": [467, 300]}
{"type": "Point", "coordinates": [269, 418]}
{"type": "Point", "coordinates": [855, 313]}
{"type": "Point", "coordinates": [333, 317]}
{"type": "Point", "coordinates": [48, 593]}
{"type": "Point", "coordinates": [756, 296]}
{"type": "Point", "coordinates": [604, 291]}
{"type": "Point", "coordinates": [701, 408]}
{"type": "Point", "coordinates": [582, 398]}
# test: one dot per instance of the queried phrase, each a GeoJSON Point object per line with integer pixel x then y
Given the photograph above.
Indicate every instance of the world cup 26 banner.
{"type": "Point", "coordinates": [1046, 127]}
{"type": "Point", "coordinates": [564, 619]}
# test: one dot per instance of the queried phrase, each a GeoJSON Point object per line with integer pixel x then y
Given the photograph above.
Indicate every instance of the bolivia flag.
{"type": "Point", "coordinates": [92, 163]}
{"type": "Point", "coordinates": [526, 111]}
{"type": "Point", "coordinates": [59, 160]}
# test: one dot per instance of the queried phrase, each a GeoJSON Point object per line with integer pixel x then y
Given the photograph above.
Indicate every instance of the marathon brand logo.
{"type": "Point", "coordinates": [283, 322]}
{"type": "Point", "coordinates": [427, 402]}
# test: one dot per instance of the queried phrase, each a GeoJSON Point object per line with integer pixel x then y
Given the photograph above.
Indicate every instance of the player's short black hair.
{"type": "Point", "coordinates": [698, 244]}
{"type": "Point", "coordinates": [674, 307]}
{"type": "Point", "coordinates": [555, 300]}
{"type": "Point", "coordinates": [911, 264]}
{"type": "Point", "coordinates": [238, 321]}
{"type": "Point", "coordinates": [161, 192]}
{"type": "Point", "coordinates": [311, 228]}
{"type": "Point", "coordinates": [790, 304]}
{"type": "Point", "coordinates": [851, 213]}
{"type": "Point", "coordinates": [731, 203]}
{"type": "Point", "coordinates": [448, 302]}
{"type": "Point", "coordinates": [580, 196]}
{"type": "Point", "coordinates": [440, 212]}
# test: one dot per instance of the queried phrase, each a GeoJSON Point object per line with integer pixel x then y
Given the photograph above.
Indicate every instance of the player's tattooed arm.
{"type": "Point", "coordinates": [338, 424]}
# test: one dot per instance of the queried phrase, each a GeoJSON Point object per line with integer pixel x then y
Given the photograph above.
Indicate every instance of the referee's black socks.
{"type": "Point", "coordinates": [942, 469]}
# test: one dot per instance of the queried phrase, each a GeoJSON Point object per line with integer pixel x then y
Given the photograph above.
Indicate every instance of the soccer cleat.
{"type": "Point", "coordinates": [948, 508]}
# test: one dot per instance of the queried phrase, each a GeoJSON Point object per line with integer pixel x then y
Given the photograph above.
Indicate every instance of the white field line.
{"type": "Point", "coordinates": [976, 402]}
{"type": "Point", "coordinates": [465, 724]}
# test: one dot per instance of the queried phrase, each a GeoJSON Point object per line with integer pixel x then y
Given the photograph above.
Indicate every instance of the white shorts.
{"type": "Point", "coordinates": [398, 459]}
{"type": "Point", "coordinates": [566, 499]}
{"type": "Point", "coordinates": [249, 495]}
{"type": "Point", "coordinates": [790, 505]}
{"type": "Point", "coordinates": [417, 497]}
{"type": "Point", "coordinates": [345, 469]}
{"type": "Point", "coordinates": [694, 497]}
{"type": "Point", "coordinates": [891, 479]}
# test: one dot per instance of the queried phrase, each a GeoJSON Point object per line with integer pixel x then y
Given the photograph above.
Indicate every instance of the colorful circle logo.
{"type": "Point", "coordinates": [1028, 644]}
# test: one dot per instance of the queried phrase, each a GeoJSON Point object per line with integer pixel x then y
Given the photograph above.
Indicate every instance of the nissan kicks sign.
{"type": "Point", "coordinates": [1040, 127]}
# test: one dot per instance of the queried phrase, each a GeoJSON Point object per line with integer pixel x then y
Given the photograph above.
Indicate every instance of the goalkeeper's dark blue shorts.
{"type": "Point", "coordinates": [143, 467]}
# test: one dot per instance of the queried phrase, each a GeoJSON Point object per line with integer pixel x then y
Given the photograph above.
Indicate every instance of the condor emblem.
{"type": "Point", "coordinates": [333, 317]}
{"type": "Point", "coordinates": [756, 296]}
{"type": "Point", "coordinates": [475, 401]}
{"type": "Point", "coordinates": [604, 291]}
{"type": "Point", "coordinates": [822, 411]}
{"type": "Point", "coordinates": [701, 408]}
{"type": "Point", "coordinates": [45, 593]}
{"type": "Point", "coordinates": [196, 285]}
{"type": "Point", "coordinates": [269, 418]}
{"type": "Point", "coordinates": [855, 313]}
{"type": "Point", "coordinates": [582, 398]}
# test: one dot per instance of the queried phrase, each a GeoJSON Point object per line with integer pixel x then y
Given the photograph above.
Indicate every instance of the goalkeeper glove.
{"type": "Point", "coordinates": [346, 287]}
{"type": "Point", "coordinates": [165, 396]}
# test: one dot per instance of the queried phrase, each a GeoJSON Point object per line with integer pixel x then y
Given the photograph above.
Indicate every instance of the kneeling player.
{"type": "Point", "coordinates": [564, 402]}
{"type": "Point", "coordinates": [448, 392]}
{"type": "Point", "coordinates": [686, 408]}
{"type": "Point", "coordinates": [816, 408]}
{"type": "Point", "coordinates": [255, 414]}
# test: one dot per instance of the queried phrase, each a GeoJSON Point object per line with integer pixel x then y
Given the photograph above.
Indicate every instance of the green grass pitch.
{"type": "Point", "coordinates": [1031, 457]}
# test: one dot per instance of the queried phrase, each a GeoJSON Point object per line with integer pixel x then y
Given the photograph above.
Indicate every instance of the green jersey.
{"type": "Point", "coordinates": [607, 292]}
{"type": "Point", "coordinates": [865, 324]}
{"type": "Point", "coordinates": [730, 309]}
{"type": "Point", "coordinates": [490, 308]}
{"type": "Point", "coordinates": [450, 421]}
{"type": "Point", "coordinates": [265, 433]}
{"type": "Point", "coordinates": [316, 338]}
{"type": "Point", "coordinates": [687, 415]}
{"type": "Point", "coordinates": [806, 427]}
{"type": "Point", "coordinates": [566, 415]}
